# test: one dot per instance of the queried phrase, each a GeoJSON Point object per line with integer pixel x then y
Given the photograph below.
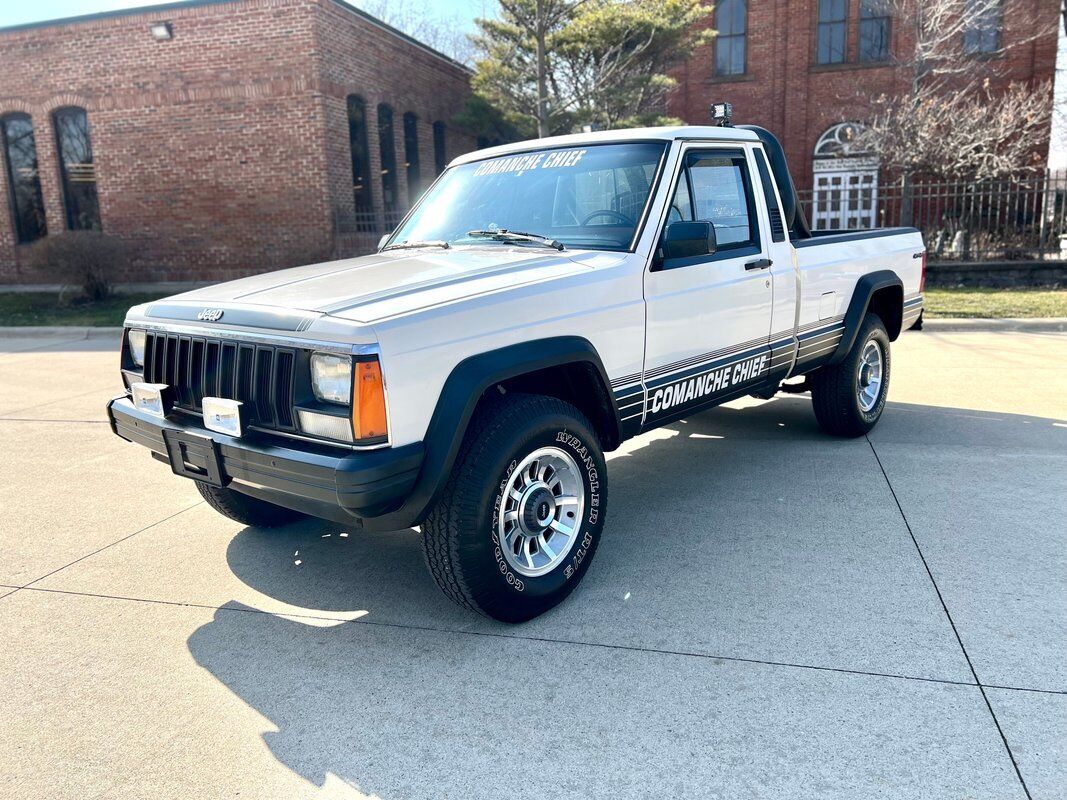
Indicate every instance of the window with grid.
{"type": "Point", "coordinates": [387, 153]}
{"type": "Point", "coordinates": [732, 24]}
{"type": "Point", "coordinates": [874, 30]}
{"type": "Point", "coordinates": [984, 21]}
{"type": "Point", "coordinates": [440, 158]}
{"type": "Point", "coordinates": [360, 153]}
{"type": "Point", "coordinates": [23, 181]}
{"type": "Point", "coordinates": [832, 31]}
{"type": "Point", "coordinates": [411, 156]}
{"type": "Point", "coordinates": [76, 169]}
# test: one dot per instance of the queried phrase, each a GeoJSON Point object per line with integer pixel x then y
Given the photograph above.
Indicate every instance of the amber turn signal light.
{"type": "Point", "coordinates": [368, 401]}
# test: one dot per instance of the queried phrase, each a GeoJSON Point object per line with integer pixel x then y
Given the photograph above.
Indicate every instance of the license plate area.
{"type": "Point", "coordinates": [194, 456]}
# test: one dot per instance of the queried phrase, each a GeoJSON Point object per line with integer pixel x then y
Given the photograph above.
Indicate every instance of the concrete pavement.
{"type": "Point", "coordinates": [772, 613]}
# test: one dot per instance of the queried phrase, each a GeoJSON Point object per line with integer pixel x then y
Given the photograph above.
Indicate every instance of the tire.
{"type": "Point", "coordinates": [465, 536]}
{"type": "Point", "coordinates": [247, 510]}
{"type": "Point", "coordinates": [835, 396]}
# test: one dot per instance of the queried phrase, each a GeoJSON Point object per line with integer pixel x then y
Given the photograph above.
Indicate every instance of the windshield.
{"type": "Point", "coordinates": [584, 197]}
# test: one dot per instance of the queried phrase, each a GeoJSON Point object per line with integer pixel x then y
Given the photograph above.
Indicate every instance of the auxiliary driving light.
{"type": "Point", "coordinates": [224, 416]}
{"type": "Point", "coordinates": [153, 398]}
{"type": "Point", "coordinates": [721, 114]}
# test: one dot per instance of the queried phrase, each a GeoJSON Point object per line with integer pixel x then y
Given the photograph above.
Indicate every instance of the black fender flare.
{"type": "Point", "coordinates": [458, 400]}
{"type": "Point", "coordinates": [866, 287]}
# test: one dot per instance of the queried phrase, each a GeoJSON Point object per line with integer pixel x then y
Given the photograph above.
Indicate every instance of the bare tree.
{"type": "Point", "coordinates": [946, 122]}
{"type": "Point", "coordinates": [447, 34]}
{"type": "Point", "coordinates": [971, 135]}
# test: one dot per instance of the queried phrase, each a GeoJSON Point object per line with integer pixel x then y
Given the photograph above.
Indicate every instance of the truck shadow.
{"type": "Point", "coordinates": [395, 704]}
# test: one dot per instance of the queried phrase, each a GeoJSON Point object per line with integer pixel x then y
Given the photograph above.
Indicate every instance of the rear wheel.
{"type": "Point", "coordinates": [849, 397]}
{"type": "Point", "coordinates": [522, 512]}
{"type": "Point", "coordinates": [247, 510]}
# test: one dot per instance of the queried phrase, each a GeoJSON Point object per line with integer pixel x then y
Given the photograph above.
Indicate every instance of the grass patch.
{"type": "Point", "coordinates": [43, 308]}
{"type": "Point", "coordinates": [964, 303]}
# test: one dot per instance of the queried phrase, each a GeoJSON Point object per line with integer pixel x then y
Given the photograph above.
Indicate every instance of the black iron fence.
{"type": "Point", "coordinates": [1018, 218]}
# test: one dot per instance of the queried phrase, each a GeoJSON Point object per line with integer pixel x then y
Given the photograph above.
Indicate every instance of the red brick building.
{"type": "Point", "coordinates": [804, 68]}
{"type": "Point", "coordinates": [220, 137]}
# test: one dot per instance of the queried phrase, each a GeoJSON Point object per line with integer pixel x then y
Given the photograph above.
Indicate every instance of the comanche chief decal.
{"type": "Point", "coordinates": [710, 383]}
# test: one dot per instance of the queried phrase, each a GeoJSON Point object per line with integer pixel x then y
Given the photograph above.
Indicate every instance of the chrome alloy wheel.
{"type": "Point", "coordinates": [869, 375]}
{"type": "Point", "coordinates": [540, 511]}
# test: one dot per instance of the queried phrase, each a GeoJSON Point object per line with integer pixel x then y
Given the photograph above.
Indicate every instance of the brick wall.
{"type": "Point", "coordinates": [224, 150]}
{"type": "Point", "coordinates": [388, 71]}
{"type": "Point", "coordinates": [786, 91]}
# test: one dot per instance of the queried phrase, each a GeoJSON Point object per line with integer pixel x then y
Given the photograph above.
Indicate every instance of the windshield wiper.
{"type": "Point", "coordinates": [504, 235]}
{"type": "Point", "coordinates": [429, 243]}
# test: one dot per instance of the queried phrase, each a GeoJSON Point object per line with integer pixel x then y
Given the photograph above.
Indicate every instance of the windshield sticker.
{"type": "Point", "coordinates": [518, 165]}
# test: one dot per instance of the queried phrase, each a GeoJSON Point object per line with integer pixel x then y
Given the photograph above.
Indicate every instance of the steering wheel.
{"type": "Point", "coordinates": [609, 213]}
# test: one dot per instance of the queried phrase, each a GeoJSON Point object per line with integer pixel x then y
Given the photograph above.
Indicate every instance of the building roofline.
{"type": "Point", "coordinates": [160, 8]}
{"type": "Point", "coordinates": [113, 13]}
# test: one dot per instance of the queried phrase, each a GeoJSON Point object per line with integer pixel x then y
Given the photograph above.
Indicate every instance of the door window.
{"type": "Point", "coordinates": [715, 187]}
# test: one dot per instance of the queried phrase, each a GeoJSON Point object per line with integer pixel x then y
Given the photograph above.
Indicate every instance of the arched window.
{"type": "Point", "coordinates": [76, 169]}
{"type": "Point", "coordinates": [357, 143]}
{"type": "Point", "coordinates": [411, 156]}
{"type": "Point", "coordinates": [839, 141]}
{"type": "Point", "coordinates": [24, 184]}
{"type": "Point", "coordinates": [732, 23]}
{"type": "Point", "coordinates": [387, 151]}
{"type": "Point", "coordinates": [440, 159]}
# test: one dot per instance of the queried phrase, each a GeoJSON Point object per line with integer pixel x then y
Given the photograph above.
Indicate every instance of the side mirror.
{"type": "Point", "coordinates": [689, 239]}
{"type": "Point", "coordinates": [383, 240]}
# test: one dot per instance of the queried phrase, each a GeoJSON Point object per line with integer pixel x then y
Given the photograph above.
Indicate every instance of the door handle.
{"type": "Point", "coordinates": [763, 263]}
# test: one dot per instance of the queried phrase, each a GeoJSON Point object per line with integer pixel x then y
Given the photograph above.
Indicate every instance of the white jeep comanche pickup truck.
{"type": "Point", "coordinates": [542, 303]}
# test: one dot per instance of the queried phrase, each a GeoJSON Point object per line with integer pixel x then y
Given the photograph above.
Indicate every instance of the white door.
{"type": "Point", "coordinates": [708, 317]}
{"type": "Point", "coordinates": [844, 199]}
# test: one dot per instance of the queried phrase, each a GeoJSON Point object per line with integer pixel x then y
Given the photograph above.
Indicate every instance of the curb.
{"type": "Point", "coordinates": [67, 332]}
{"type": "Point", "coordinates": [1034, 325]}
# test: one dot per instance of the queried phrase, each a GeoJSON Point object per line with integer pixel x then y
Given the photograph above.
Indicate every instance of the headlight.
{"type": "Point", "coordinates": [136, 341]}
{"type": "Point", "coordinates": [331, 378]}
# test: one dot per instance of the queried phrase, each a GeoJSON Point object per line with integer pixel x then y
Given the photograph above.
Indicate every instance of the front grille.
{"type": "Point", "coordinates": [260, 376]}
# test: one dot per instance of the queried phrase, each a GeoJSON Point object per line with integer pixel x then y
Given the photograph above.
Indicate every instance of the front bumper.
{"type": "Point", "coordinates": [343, 486]}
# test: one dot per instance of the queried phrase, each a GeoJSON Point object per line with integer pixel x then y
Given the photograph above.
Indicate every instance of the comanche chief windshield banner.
{"type": "Point", "coordinates": [555, 159]}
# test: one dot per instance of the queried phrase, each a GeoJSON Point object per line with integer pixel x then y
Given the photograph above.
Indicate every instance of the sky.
{"type": "Point", "coordinates": [463, 12]}
{"type": "Point", "coordinates": [15, 13]}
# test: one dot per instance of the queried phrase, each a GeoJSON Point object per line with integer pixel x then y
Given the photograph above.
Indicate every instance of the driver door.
{"type": "Point", "coordinates": [708, 317]}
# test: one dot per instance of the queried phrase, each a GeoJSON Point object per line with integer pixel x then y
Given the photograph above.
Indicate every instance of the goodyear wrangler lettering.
{"type": "Point", "coordinates": [681, 392]}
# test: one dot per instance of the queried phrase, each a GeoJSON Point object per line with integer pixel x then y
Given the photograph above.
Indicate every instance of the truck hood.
{"type": "Point", "coordinates": [385, 284]}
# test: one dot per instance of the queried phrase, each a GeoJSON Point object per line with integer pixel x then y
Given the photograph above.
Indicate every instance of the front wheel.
{"type": "Point", "coordinates": [521, 514]}
{"type": "Point", "coordinates": [849, 397]}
